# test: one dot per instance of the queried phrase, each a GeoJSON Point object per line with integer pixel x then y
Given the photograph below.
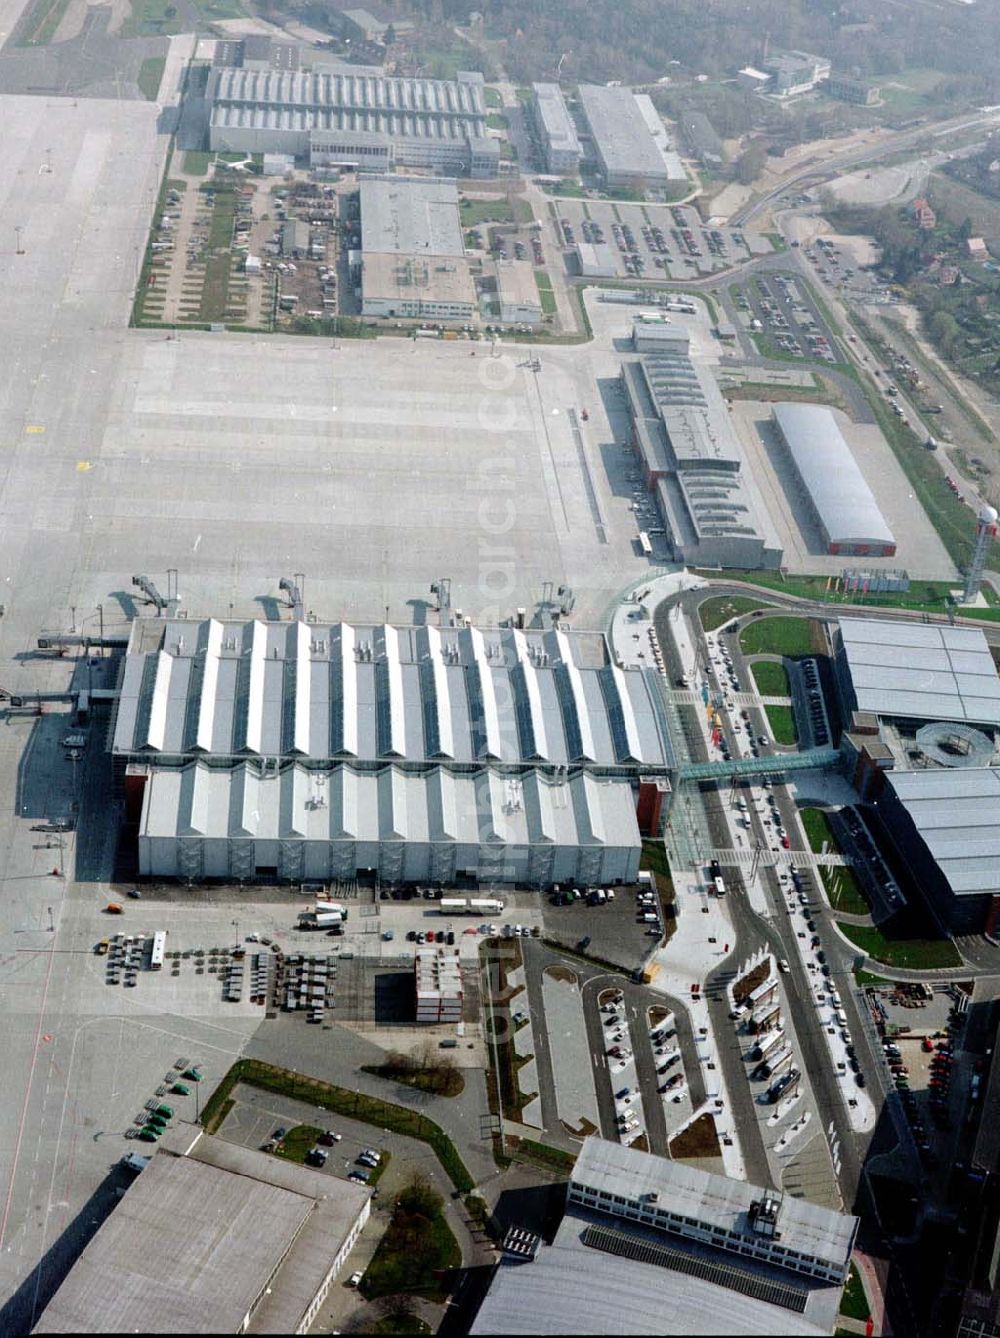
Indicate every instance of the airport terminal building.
{"type": "Point", "coordinates": [374, 122]}
{"type": "Point", "coordinates": [284, 751]}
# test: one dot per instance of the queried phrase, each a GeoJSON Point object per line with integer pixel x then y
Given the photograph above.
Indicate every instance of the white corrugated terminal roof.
{"type": "Point", "coordinates": [845, 504]}
{"type": "Point", "coordinates": [363, 693]}
{"type": "Point", "coordinates": [921, 672]}
{"type": "Point", "coordinates": [957, 813]}
{"type": "Point", "coordinates": [342, 804]}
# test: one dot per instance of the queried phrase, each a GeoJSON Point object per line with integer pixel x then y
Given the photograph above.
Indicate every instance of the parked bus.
{"type": "Point", "coordinates": [645, 547]}
{"type": "Point", "coordinates": [158, 950]}
{"type": "Point", "coordinates": [720, 887]}
{"type": "Point", "coordinates": [470, 906]}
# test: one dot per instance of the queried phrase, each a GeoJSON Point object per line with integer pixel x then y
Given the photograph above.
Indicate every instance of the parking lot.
{"type": "Point", "coordinates": [784, 320]}
{"type": "Point", "coordinates": [656, 243]}
{"type": "Point", "coordinates": [623, 928]}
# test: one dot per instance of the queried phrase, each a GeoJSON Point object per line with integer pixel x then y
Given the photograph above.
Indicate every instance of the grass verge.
{"type": "Point", "coordinates": [545, 293]}
{"type": "Point", "coordinates": [417, 1248]}
{"type": "Point", "coordinates": [554, 1159]}
{"type": "Point", "coordinates": [854, 1303]}
{"type": "Point", "coordinates": [915, 953]}
{"type": "Point", "coordinates": [42, 23]}
{"type": "Point", "coordinates": [151, 76]}
{"type": "Point", "coordinates": [438, 1079]}
{"type": "Point", "coordinates": [771, 678]}
{"type": "Point", "coordinates": [699, 1139]}
{"type": "Point", "coordinates": [778, 636]}
{"type": "Point", "coordinates": [720, 609]}
{"type": "Point", "coordinates": [473, 212]}
{"type": "Point", "coordinates": [782, 723]}
{"type": "Point", "coordinates": [354, 1105]}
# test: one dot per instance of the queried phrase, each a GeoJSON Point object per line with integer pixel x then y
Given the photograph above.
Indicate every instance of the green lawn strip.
{"type": "Point", "coordinates": [843, 890]}
{"type": "Point", "coordinates": [771, 678]}
{"type": "Point", "coordinates": [782, 723]}
{"type": "Point", "coordinates": [541, 1154]}
{"type": "Point", "coordinates": [817, 828]}
{"type": "Point", "coordinates": [923, 596]}
{"type": "Point", "coordinates": [914, 953]}
{"type": "Point", "coordinates": [492, 97]}
{"type": "Point", "coordinates": [151, 76]}
{"type": "Point", "coordinates": [44, 20]}
{"type": "Point", "coordinates": [415, 1250]}
{"type": "Point", "coordinates": [721, 608]}
{"type": "Point", "coordinates": [195, 163]}
{"type": "Point", "coordinates": [485, 211]}
{"type": "Point", "coordinates": [401, 1323]}
{"type": "Point", "coordinates": [297, 1142]}
{"type": "Point", "coordinates": [220, 229]}
{"type": "Point", "coordinates": [854, 1304]}
{"type": "Point", "coordinates": [215, 288]}
{"type": "Point", "coordinates": [545, 293]}
{"type": "Point", "coordinates": [443, 1081]}
{"type": "Point", "coordinates": [353, 1105]}
{"type": "Point", "coordinates": [777, 636]}
{"type": "Point", "coordinates": [496, 121]}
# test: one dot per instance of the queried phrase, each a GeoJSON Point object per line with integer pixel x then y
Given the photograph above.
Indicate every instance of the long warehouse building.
{"type": "Point", "coordinates": [629, 139]}
{"type": "Point", "coordinates": [831, 480]}
{"type": "Point", "coordinates": [278, 750]}
{"type": "Point", "coordinates": [372, 121]}
{"type": "Point", "coordinates": [713, 515]}
{"type": "Point", "coordinates": [556, 130]}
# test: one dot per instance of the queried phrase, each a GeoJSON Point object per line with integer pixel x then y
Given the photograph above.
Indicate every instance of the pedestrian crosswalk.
{"type": "Point", "coordinates": [781, 859]}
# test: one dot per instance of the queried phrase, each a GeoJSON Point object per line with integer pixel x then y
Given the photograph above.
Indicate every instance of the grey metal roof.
{"type": "Point", "coordinates": [571, 1289]}
{"type": "Point", "coordinates": [621, 136]}
{"type": "Point", "coordinates": [957, 813]}
{"type": "Point", "coordinates": [713, 1200]}
{"type": "Point", "coordinates": [370, 693]}
{"type": "Point", "coordinates": [185, 1247]}
{"type": "Point", "coordinates": [922, 672]}
{"type": "Point", "coordinates": [830, 474]}
{"type": "Point", "coordinates": [410, 216]}
{"type": "Point", "coordinates": [355, 101]}
{"type": "Point", "coordinates": [556, 122]}
{"type": "Point", "coordinates": [342, 804]}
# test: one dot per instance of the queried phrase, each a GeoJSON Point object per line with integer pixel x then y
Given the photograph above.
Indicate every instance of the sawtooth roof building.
{"type": "Point", "coordinates": [221, 1239]}
{"type": "Point", "coordinates": [651, 1246]}
{"type": "Point", "coordinates": [831, 480]}
{"type": "Point", "coordinates": [371, 121]}
{"type": "Point", "coordinates": [287, 750]}
{"type": "Point", "coordinates": [712, 512]}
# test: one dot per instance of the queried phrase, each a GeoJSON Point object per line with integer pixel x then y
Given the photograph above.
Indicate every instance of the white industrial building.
{"type": "Point", "coordinates": [783, 74]}
{"type": "Point", "coordinates": [215, 1239]}
{"type": "Point", "coordinates": [626, 148]}
{"type": "Point", "coordinates": [437, 985]}
{"type": "Point", "coordinates": [560, 142]}
{"type": "Point", "coordinates": [243, 823]}
{"type": "Point", "coordinates": [517, 293]}
{"type": "Point", "coordinates": [374, 122]}
{"type": "Point", "coordinates": [283, 750]}
{"type": "Point", "coordinates": [652, 1246]}
{"type": "Point", "coordinates": [691, 458]}
{"type": "Point", "coordinates": [831, 481]}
